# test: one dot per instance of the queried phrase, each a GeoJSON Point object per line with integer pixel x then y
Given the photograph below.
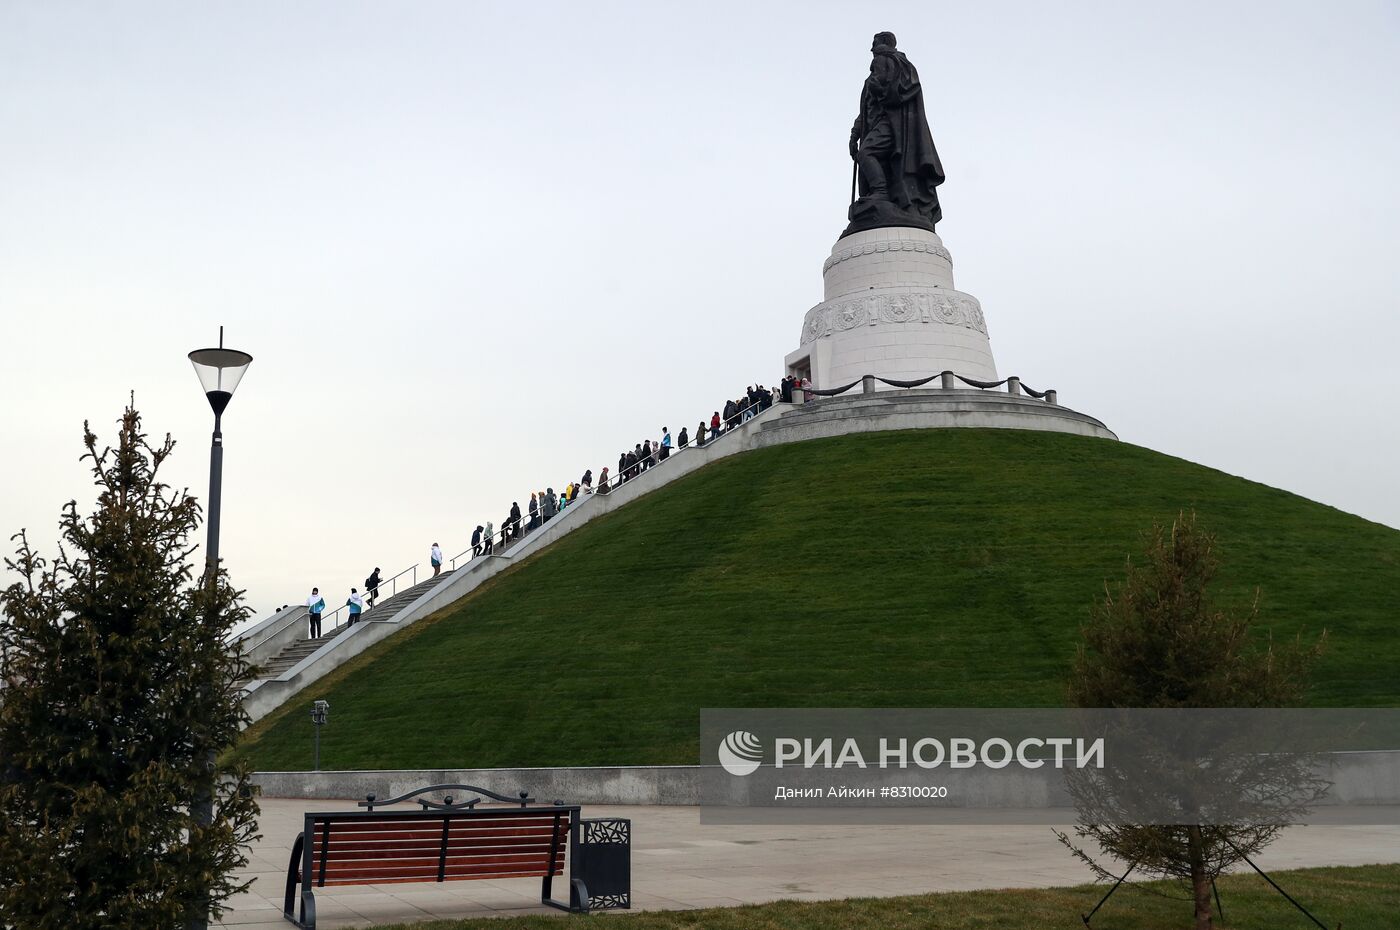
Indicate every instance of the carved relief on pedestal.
{"type": "Point", "coordinates": [951, 307]}
{"type": "Point", "coordinates": [893, 245]}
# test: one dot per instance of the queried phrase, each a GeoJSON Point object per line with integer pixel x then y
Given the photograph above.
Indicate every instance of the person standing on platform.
{"type": "Point", "coordinates": [714, 426]}
{"type": "Point", "coordinates": [356, 604]}
{"type": "Point", "coordinates": [534, 512]}
{"type": "Point", "coordinates": [700, 434]}
{"type": "Point", "coordinates": [588, 481]}
{"type": "Point", "coordinates": [476, 541]}
{"type": "Point", "coordinates": [665, 443]}
{"type": "Point", "coordinates": [314, 605]}
{"type": "Point", "coordinates": [603, 480]}
{"type": "Point", "coordinates": [372, 585]}
{"type": "Point", "coordinates": [515, 520]}
{"type": "Point", "coordinates": [683, 439]}
{"type": "Point", "coordinates": [486, 537]}
{"type": "Point", "coordinates": [435, 556]}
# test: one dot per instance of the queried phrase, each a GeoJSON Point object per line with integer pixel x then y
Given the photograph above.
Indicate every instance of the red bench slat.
{"type": "Point", "coordinates": [339, 839]}
{"type": "Point", "coordinates": [435, 850]}
{"type": "Point", "coordinates": [422, 824]}
{"type": "Point", "coordinates": [428, 871]}
{"type": "Point", "coordinates": [460, 857]}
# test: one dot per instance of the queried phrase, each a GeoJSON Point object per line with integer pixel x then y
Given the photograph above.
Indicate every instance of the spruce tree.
{"type": "Point", "coordinates": [119, 691]}
{"type": "Point", "coordinates": [1157, 640]}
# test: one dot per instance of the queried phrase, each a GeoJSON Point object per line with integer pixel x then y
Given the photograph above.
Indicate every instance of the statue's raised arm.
{"type": "Point", "coordinates": [893, 147]}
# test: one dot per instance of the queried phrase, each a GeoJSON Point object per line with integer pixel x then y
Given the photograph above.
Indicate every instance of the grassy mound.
{"type": "Point", "coordinates": [925, 568]}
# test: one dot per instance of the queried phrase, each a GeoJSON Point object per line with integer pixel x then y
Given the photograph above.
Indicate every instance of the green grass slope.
{"type": "Point", "coordinates": [923, 568]}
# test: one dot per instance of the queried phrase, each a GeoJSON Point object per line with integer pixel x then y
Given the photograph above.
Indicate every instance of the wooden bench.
{"type": "Point", "coordinates": [451, 840]}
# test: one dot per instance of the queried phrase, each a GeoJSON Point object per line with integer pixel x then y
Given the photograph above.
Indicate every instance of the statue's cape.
{"type": "Point", "coordinates": [904, 105]}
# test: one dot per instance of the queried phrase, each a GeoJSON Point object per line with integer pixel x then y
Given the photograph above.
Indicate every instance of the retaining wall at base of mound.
{"type": "Point", "coordinates": [1360, 779]}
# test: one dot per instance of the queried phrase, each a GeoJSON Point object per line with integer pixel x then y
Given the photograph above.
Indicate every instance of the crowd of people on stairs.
{"type": "Point", "coordinates": [546, 505]}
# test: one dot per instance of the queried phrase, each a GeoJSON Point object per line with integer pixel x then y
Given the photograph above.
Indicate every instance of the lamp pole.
{"type": "Point", "coordinates": [216, 492]}
{"type": "Point", "coordinates": [219, 372]}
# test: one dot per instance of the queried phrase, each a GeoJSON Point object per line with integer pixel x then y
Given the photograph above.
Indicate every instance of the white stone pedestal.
{"type": "Point", "coordinates": [891, 311]}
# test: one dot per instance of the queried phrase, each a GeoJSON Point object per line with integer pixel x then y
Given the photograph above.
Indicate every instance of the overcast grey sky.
{"type": "Point", "coordinates": [478, 248]}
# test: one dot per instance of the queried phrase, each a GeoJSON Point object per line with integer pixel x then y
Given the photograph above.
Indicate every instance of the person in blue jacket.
{"type": "Point", "coordinates": [314, 605]}
{"type": "Point", "coordinates": [356, 603]}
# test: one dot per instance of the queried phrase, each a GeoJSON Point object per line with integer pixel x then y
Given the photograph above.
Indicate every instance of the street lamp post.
{"type": "Point", "coordinates": [219, 372]}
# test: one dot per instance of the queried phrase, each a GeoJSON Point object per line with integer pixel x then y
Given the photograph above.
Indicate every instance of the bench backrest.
{"type": "Point", "coordinates": [385, 847]}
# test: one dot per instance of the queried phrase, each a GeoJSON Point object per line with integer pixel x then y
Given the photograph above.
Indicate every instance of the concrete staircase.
{"type": "Point", "coordinates": [294, 654]}
{"type": "Point", "coordinates": [383, 611]}
{"type": "Point", "coordinates": [292, 665]}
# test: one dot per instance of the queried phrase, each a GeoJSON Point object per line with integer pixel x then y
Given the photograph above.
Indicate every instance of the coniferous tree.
{"type": "Point", "coordinates": [119, 691]}
{"type": "Point", "coordinates": [1158, 641]}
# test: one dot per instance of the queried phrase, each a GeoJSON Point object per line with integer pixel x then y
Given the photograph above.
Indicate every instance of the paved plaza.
{"type": "Point", "coordinates": [677, 863]}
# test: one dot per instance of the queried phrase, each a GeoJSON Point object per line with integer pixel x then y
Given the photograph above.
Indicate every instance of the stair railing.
{"type": "Point", "coordinates": [506, 535]}
{"type": "Point", "coordinates": [301, 617]}
{"type": "Point", "coordinates": [295, 618]}
{"type": "Point", "coordinates": [343, 611]}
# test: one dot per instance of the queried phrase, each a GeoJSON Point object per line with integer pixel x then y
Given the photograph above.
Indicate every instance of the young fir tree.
{"type": "Point", "coordinates": [1157, 641]}
{"type": "Point", "coordinates": [119, 692]}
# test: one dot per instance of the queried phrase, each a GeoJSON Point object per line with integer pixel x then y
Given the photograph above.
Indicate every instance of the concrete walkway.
{"type": "Point", "coordinates": [678, 864]}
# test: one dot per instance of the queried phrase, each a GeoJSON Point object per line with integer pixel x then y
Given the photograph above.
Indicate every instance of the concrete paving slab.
{"type": "Point", "coordinates": [680, 864]}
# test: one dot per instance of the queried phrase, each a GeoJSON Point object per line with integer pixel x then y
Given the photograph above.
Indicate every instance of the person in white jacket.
{"type": "Point", "coordinates": [436, 557]}
{"type": "Point", "coordinates": [356, 603]}
{"type": "Point", "coordinates": [314, 605]}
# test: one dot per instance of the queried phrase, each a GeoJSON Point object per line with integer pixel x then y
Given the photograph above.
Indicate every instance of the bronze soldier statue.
{"type": "Point", "coordinates": [893, 148]}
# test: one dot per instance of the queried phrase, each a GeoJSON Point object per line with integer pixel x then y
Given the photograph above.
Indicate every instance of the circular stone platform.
{"type": "Point", "coordinates": [925, 409]}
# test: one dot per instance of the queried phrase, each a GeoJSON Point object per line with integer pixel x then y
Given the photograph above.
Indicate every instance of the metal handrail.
{"type": "Point", "coordinates": [301, 617]}
{"type": "Point", "coordinates": [392, 582]}
{"type": "Point", "coordinates": [293, 618]}
{"type": "Point", "coordinates": [502, 538]}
